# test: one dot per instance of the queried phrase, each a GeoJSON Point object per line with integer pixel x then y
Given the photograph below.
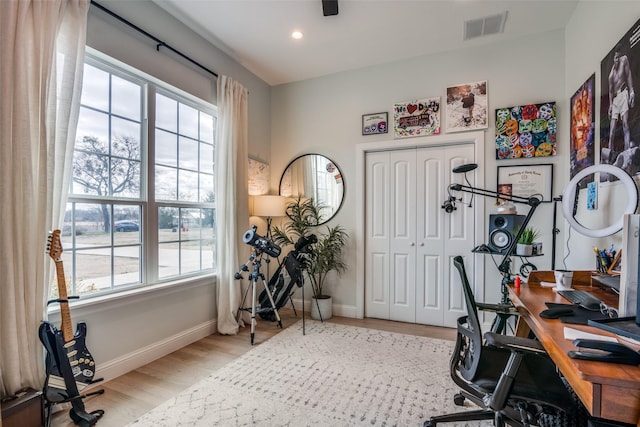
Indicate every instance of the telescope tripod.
{"type": "Point", "coordinates": [254, 276]}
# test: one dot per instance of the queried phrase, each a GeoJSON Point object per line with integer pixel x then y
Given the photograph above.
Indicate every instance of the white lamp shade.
{"type": "Point", "coordinates": [269, 206]}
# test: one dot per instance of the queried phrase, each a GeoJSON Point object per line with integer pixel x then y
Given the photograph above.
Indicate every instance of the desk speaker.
{"type": "Point", "coordinates": [503, 230]}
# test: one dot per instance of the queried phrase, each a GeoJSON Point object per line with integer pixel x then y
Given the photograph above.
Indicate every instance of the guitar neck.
{"type": "Point", "coordinates": [65, 314]}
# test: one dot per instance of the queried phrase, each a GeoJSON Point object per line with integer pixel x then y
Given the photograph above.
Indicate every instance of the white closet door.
{"type": "Point", "coordinates": [377, 235]}
{"type": "Point", "coordinates": [460, 230]}
{"type": "Point", "coordinates": [410, 240]}
{"type": "Point", "coordinates": [431, 273]}
{"type": "Point", "coordinates": [402, 221]}
{"type": "Point", "coordinates": [441, 236]}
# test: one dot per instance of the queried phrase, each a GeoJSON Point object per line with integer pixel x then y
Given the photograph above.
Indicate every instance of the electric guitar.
{"type": "Point", "coordinates": [63, 341]}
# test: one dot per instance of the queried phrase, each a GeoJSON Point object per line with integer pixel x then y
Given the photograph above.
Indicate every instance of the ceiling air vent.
{"type": "Point", "coordinates": [488, 25]}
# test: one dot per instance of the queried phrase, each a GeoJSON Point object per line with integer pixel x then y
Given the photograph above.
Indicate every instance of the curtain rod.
{"type": "Point", "coordinates": [159, 42]}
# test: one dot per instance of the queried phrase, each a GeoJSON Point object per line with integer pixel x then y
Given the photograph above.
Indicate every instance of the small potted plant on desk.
{"type": "Point", "coordinates": [304, 217]}
{"type": "Point", "coordinates": [525, 242]}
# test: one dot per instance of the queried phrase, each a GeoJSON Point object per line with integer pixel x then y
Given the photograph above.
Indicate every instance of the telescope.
{"type": "Point", "coordinates": [261, 243]}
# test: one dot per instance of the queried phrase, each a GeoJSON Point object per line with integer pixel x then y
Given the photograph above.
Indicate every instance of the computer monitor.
{"type": "Point", "coordinates": [637, 290]}
{"type": "Point", "coordinates": [629, 271]}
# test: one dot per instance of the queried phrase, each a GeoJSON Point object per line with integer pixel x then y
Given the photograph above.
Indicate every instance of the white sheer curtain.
{"type": "Point", "coordinates": [41, 56]}
{"type": "Point", "coordinates": [232, 200]}
{"type": "Point", "coordinates": [310, 177]}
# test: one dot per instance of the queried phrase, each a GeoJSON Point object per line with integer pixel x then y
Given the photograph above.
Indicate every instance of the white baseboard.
{"type": "Point", "coordinates": [128, 362]}
{"type": "Point", "coordinates": [338, 309]}
{"type": "Point", "coordinates": [344, 310]}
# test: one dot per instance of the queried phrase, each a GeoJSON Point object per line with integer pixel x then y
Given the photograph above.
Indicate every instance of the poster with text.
{"type": "Point", "coordinates": [420, 117]}
{"type": "Point", "coordinates": [583, 126]}
{"type": "Point", "coordinates": [526, 131]}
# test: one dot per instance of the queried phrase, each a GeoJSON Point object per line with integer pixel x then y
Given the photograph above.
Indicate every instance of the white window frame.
{"type": "Point", "coordinates": [149, 216]}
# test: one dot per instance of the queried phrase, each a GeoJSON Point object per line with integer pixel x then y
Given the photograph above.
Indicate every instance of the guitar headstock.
{"type": "Point", "coordinates": [54, 246]}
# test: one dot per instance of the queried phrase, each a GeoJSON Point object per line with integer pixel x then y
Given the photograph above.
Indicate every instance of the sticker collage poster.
{"type": "Point", "coordinates": [526, 131]}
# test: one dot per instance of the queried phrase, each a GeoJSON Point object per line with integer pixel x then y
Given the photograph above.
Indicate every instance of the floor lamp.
{"type": "Point", "coordinates": [269, 207]}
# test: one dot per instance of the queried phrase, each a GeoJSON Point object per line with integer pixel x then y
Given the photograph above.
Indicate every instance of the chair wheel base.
{"type": "Point", "coordinates": [459, 399]}
{"type": "Point", "coordinates": [85, 419]}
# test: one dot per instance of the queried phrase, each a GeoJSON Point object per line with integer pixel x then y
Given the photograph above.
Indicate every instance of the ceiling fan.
{"type": "Point", "coordinates": [330, 7]}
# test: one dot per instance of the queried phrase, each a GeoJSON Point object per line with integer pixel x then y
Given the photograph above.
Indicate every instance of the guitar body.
{"type": "Point", "coordinates": [75, 354]}
{"type": "Point", "coordinates": [69, 365]}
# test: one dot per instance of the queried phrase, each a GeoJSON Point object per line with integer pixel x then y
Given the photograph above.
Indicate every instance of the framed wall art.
{"type": "Point", "coordinates": [420, 117]}
{"type": "Point", "coordinates": [467, 107]}
{"type": "Point", "coordinates": [375, 123]}
{"type": "Point", "coordinates": [258, 177]}
{"type": "Point", "coordinates": [527, 180]}
{"type": "Point", "coordinates": [619, 112]}
{"type": "Point", "coordinates": [526, 131]}
{"type": "Point", "coordinates": [582, 133]}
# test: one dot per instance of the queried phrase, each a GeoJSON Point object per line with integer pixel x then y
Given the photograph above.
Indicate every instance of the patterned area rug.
{"type": "Point", "coordinates": [334, 375]}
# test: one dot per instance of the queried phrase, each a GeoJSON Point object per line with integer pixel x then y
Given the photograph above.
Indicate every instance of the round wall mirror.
{"type": "Point", "coordinates": [314, 176]}
{"type": "Point", "coordinates": [596, 199]}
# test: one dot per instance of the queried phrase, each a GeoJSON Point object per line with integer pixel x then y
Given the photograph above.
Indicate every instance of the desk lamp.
{"type": "Point", "coordinates": [449, 205]}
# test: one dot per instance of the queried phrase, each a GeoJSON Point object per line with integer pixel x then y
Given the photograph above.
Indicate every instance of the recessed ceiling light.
{"type": "Point", "coordinates": [297, 35]}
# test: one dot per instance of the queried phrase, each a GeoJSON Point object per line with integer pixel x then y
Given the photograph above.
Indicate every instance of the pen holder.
{"type": "Point", "coordinates": [601, 264]}
{"type": "Point", "coordinates": [604, 263]}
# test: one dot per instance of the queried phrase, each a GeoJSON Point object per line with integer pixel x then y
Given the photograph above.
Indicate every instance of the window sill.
{"type": "Point", "coordinates": [130, 296]}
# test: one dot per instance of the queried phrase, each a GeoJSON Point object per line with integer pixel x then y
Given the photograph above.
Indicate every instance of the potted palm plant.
{"type": "Point", "coordinates": [327, 255]}
{"type": "Point", "coordinates": [525, 242]}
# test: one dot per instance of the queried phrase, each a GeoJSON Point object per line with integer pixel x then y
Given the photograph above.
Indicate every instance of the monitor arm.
{"type": "Point", "coordinates": [533, 202]}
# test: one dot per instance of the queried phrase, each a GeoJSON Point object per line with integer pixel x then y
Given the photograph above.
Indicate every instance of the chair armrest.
{"type": "Point", "coordinates": [497, 308]}
{"type": "Point", "coordinates": [517, 344]}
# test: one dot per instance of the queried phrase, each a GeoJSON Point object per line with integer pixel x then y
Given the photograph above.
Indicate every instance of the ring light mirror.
{"type": "Point", "coordinates": [614, 200]}
{"type": "Point", "coordinates": [314, 176]}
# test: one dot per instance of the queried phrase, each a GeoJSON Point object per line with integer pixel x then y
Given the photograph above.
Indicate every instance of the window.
{"type": "Point", "coordinates": [141, 207]}
{"type": "Point", "coordinates": [183, 174]}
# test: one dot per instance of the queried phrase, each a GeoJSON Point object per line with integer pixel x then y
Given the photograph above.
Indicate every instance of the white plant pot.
{"type": "Point", "coordinates": [524, 250]}
{"type": "Point", "coordinates": [326, 308]}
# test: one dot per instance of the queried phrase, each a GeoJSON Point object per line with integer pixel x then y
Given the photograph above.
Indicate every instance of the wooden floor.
{"type": "Point", "coordinates": [131, 395]}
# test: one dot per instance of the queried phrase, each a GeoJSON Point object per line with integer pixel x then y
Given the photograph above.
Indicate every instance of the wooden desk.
{"type": "Point", "coordinates": [608, 390]}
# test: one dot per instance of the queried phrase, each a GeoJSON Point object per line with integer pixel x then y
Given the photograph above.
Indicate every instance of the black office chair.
{"type": "Point", "coordinates": [512, 379]}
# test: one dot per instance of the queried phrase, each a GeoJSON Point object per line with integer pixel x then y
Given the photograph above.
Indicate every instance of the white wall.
{"type": "Point", "coordinates": [594, 29]}
{"type": "Point", "coordinates": [323, 115]}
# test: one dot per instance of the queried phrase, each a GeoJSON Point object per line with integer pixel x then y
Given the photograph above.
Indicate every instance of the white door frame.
{"type": "Point", "coordinates": [475, 138]}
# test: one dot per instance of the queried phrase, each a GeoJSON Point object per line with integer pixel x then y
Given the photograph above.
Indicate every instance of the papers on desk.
{"type": "Point", "coordinates": [572, 334]}
{"type": "Point", "coordinates": [548, 284]}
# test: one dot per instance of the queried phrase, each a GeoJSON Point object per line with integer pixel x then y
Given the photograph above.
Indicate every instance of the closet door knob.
{"type": "Point", "coordinates": [412, 244]}
{"type": "Point", "coordinates": [422, 244]}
